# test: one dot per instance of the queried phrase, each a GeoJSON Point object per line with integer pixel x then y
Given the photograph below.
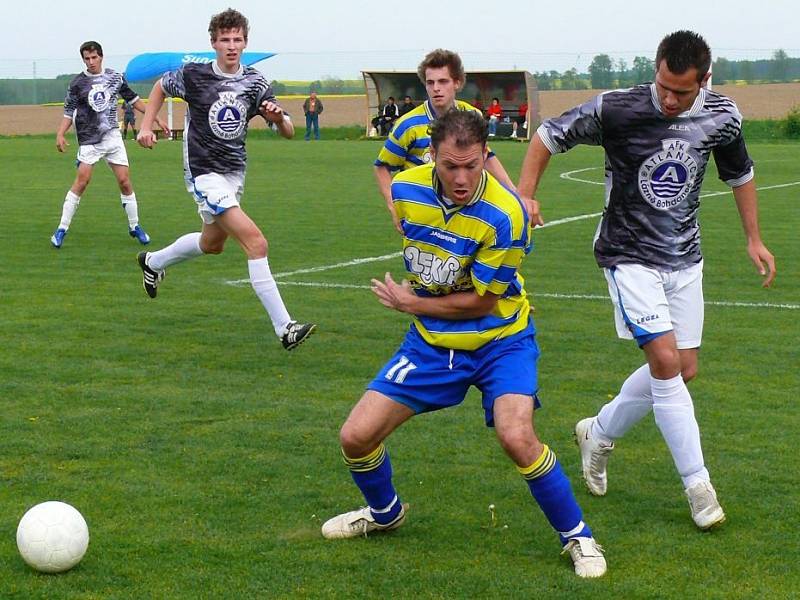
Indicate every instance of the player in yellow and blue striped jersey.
{"type": "Point", "coordinates": [464, 238]}
{"type": "Point", "coordinates": [408, 144]}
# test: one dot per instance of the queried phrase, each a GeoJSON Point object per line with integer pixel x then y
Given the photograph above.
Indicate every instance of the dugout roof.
{"type": "Point", "coordinates": [512, 88]}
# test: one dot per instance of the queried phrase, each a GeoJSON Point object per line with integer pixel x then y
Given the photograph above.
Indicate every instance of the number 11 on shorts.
{"type": "Point", "coordinates": [400, 370]}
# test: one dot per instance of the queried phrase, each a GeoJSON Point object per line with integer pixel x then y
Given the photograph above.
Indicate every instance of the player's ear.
{"type": "Point", "coordinates": [704, 81]}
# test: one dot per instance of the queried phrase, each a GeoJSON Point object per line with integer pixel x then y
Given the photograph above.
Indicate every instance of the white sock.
{"type": "Point", "coordinates": [185, 247]}
{"type": "Point", "coordinates": [630, 406]}
{"type": "Point", "coordinates": [131, 209]}
{"type": "Point", "coordinates": [71, 202]}
{"type": "Point", "coordinates": [674, 413]}
{"type": "Point", "coordinates": [267, 291]}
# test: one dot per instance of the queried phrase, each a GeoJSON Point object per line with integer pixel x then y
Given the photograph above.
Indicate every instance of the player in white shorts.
{"type": "Point", "coordinates": [649, 302]}
{"type": "Point", "coordinates": [214, 193]}
{"type": "Point", "coordinates": [91, 104]}
{"type": "Point", "coordinates": [658, 138]}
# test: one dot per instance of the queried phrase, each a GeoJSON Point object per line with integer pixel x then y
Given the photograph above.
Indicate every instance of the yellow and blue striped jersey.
{"type": "Point", "coordinates": [409, 142]}
{"type": "Point", "coordinates": [477, 246]}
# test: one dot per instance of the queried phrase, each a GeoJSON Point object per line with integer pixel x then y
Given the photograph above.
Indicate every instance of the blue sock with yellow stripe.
{"type": "Point", "coordinates": [373, 476]}
{"type": "Point", "coordinates": [553, 492]}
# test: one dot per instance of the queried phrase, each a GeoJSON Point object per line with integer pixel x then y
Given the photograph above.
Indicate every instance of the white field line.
{"type": "Point", "coordinates": [371, 259]}
{"type": "Point", "coordinates": [567, 175]}
{"type": "Point", "coordinates": [352, 286]}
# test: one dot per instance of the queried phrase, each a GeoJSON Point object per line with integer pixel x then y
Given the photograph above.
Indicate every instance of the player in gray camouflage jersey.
{"type": "Point", "coordinates": [91, 104]}
{"type": "Point", "coordinates": [658, 138]}
{"type": "Point", "coordinates": [222, 97]}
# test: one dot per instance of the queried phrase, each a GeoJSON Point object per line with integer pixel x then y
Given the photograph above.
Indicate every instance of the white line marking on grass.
{"type": "Point", "coordinates": [371, 259]}
{"type": "Point", "coordinates": [568, 176]}
{"type": "Point", "coordinates": [568, 220]}
{"type": "Point", "coordinates": [349, 263]}
{"type": "Point", "coordinates": [353, 286]}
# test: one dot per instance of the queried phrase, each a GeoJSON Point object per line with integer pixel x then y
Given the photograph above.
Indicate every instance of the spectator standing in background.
{"type": "Point", "coordinates": [312, 108]}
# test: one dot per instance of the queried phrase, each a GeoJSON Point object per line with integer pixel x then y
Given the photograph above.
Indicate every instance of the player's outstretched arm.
{"type": "Point", "coordinates": [384, 178]}
{"type": "Point", "coordinates": [140, 106]}
{"type": "Point", "coordinates": [459, 305]}
{"type": "Point", "coordinates": [536, 160]}
{"type": "Point", "coordinates": [273, 113]}
{"type": "Point", "coordinates": [747, 203]}
{"type": "Point", "coordinates": [63, 127]}
{"type": "Point", "coordinates": [146, 137]}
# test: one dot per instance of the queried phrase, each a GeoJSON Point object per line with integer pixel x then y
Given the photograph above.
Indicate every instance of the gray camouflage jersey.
{"type": "Point", "coordinates": [91, 103]}
{"type": "Point", "coordinates": [654, 169]}
{"type": "Point", "coordinates": [220, 108]}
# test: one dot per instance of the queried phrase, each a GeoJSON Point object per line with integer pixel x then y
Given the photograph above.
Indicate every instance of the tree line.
{"type": "Point", "coordinates": [606, 73]}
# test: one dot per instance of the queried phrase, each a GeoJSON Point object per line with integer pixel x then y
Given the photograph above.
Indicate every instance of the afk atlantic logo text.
{"type": "Point", "coordinates": [667, 177]}
{"type": "Point", "coordinates": [227, 116]}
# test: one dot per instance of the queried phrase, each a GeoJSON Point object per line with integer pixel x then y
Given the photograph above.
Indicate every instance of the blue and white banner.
{"type": "Point", "coordinates": [154, 64]}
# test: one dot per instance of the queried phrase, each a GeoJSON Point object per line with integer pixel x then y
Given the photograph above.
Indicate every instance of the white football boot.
{"type": "Point", "coordinates": [594, 457]}
{"type": "Point", "coordinates": [587, 555]}
{"type": "Point", "coordinates": [706, 510]}
{"type": "Point", "coordinates": [358, 523]}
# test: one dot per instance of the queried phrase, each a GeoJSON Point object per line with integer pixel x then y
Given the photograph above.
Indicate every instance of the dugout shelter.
{"type": "Point", "coordinates": [512, 88]}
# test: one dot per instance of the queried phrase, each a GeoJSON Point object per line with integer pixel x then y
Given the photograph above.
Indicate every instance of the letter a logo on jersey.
{"type": "Point", "coordinates": [227, 116]}
{"type": "Point", "coordinates": [667, 177]}
{"type": "Point", "coordinates": [98, 97]}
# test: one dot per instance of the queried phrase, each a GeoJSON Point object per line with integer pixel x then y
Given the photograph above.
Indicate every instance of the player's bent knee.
{"type": "Point", "coordinates": [355, 441]}
{"type": "Point", "coordinates": [520, 445]}
{"type": "Point", "coordinates": [257, 247]}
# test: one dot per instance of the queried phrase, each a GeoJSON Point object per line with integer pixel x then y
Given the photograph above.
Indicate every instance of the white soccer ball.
{"type": "Point", "coordinates": [52, 537]}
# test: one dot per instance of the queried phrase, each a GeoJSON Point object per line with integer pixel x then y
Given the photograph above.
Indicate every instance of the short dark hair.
{"type": "Point", "coordinates": [439, 58]}
{"type": "Point", "coordinates": [228, 19]}
{"type": "Point", "coordinates": [683, 50]}
{"type": "Point", "coordinates": [91, 46]}
{"type": "Point", "coordinates": [391, 98]}
{"type": "Point", "coordinates": [466, 127]}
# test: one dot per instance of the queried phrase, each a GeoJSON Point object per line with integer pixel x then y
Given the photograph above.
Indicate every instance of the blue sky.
{"type": "Point", "coordinates": [340, 37]}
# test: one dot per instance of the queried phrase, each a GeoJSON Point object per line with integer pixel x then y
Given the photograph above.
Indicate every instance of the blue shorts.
{"type": "Point", "coordinates": [426, 378]}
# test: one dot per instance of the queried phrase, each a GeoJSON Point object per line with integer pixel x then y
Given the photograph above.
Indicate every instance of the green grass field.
{"type": "Point", "coordinates": [205, 458]}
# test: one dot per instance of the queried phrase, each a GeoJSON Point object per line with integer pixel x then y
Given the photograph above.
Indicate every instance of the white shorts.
{"type": "Point", "coordinates": [111, 148]}
{"type": "Point", "coordinates": [215, 193]}
{"type": "Point", "coordinates": [648, 302]}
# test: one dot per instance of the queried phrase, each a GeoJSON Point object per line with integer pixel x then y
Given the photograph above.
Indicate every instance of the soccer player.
{"type": "Point", "coordinates": [128, 120]}
{"type": "Point", "coordinates": [222, 97]}
{"type": "Point", "coordinates": [408, 144]}
{"type": "Point", "coordinates": [658, 138]}
{"type": "Point", "coordinates": [465, 235]}
{"type": "Point", "coordinates": [91, 103]}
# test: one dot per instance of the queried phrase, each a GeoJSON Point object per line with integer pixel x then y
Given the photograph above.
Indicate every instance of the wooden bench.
{"type": "Point", "coordinates": [177, 133]}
